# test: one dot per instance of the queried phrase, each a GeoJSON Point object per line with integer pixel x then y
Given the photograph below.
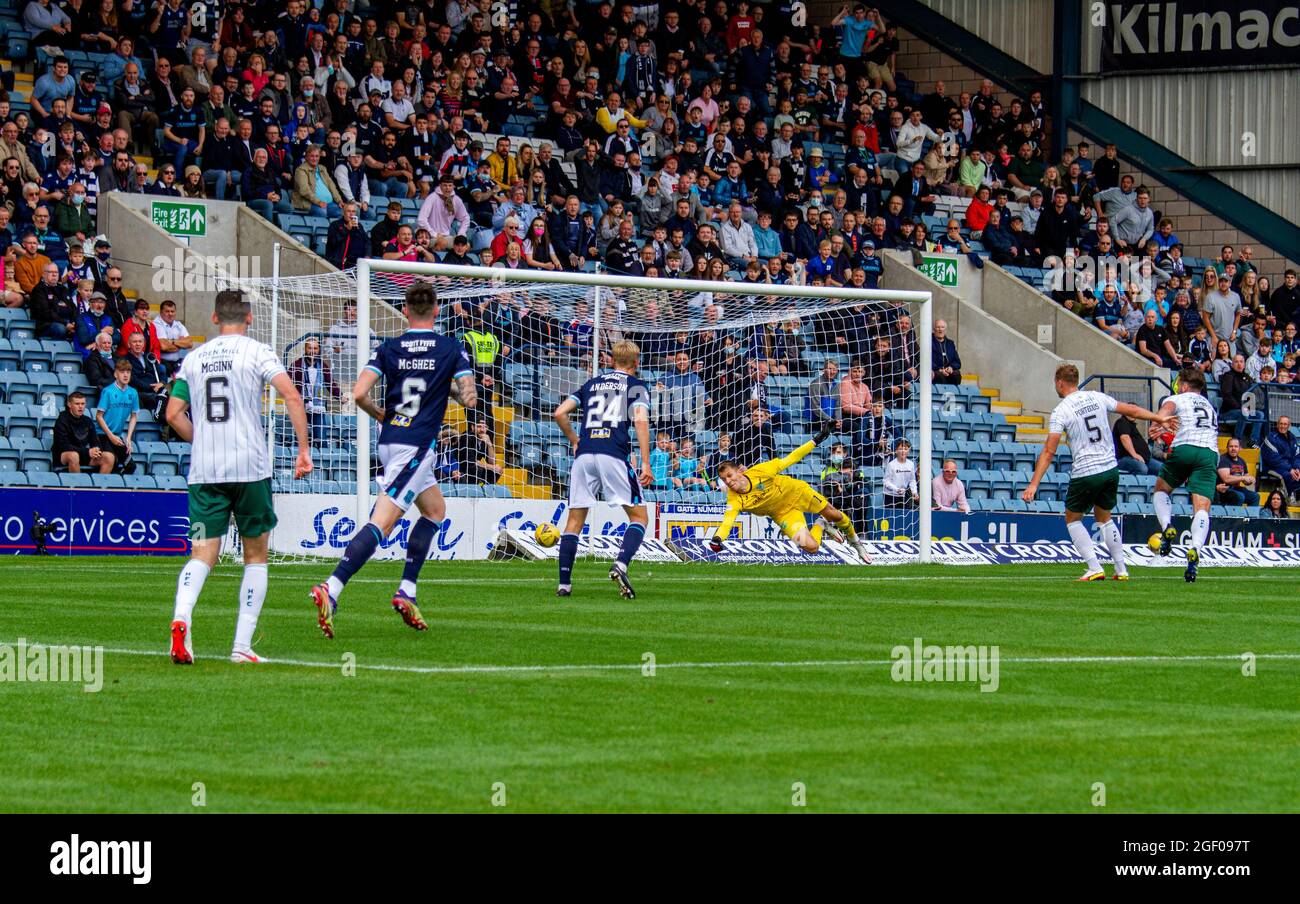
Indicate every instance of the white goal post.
{"type": "Point", "coordinates": [751, 303]}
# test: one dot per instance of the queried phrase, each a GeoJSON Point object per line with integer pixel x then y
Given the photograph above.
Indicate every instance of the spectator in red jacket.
{"type": "Point", "coordinates": [140, 323]}
{"type": "Point", "coordinates": [977, 214]}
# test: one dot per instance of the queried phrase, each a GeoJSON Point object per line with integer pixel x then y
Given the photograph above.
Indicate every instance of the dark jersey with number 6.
{"type": "Point", "coordinates": [604, 416]}
{"type": "Point", "coordinates": [418, 368]}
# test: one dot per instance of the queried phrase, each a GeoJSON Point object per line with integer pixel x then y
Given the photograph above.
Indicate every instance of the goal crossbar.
{"type": "Point", "coordinates": [839, 296]}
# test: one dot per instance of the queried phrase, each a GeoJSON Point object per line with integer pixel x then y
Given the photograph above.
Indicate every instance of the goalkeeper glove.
{"type": "Point", "coordinates": [824, 433]}
{"type": "Point", "coordinates": [715, 543]}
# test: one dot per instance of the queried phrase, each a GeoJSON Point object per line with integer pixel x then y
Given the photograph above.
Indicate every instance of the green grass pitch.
{"type": "Point", "coordinates": [765, 677]}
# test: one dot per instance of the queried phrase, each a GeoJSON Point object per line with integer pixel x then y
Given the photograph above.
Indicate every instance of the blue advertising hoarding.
{"type": "Point", "coordinates": [96, 522]}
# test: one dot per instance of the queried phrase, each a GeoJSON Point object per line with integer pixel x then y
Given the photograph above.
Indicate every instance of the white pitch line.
{"type": "Point", "coordinates": [670, 576]}
{"type": "Point", "coordinates": [736, 664]}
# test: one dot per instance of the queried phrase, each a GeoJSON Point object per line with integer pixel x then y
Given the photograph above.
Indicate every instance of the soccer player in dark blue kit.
{"type": "Point", "coordinates": [607, 406]}
{"type": "Point", "coordinates": [420, 369]}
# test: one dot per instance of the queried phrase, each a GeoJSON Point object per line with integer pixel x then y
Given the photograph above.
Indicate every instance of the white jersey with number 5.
{"type": "Point", "coordinates": [1198, 422]}
{"type": "Point", "coordinates": [1081, 416]}
{"type": "Point", "coordinates": [226, 377]}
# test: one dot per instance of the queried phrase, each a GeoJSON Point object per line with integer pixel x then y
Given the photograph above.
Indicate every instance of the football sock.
{"type": "Point", "coordinates": [1200, 529]}
{"type": "Point", "coordinates": [1164, 508]}
{"type": "Point", "coordinates": [1114, 545]}
{"type": "Point", "coordinates": [360, 548]}
{"type": "Point", "coordinates": [632, 538]}
{"type": "Point", "coordinates": [188, 587]}
{"type": "Point", "coordinates": [251, 594]}
{"type": "Point", "coordinates": [1083, 543]}
{"type": "Point", "coordinates": [568, 552]}
{"type": "Point", "coordinates": [846, 525]}
{"type": "Point", "coordinates": [817, 530]}
{"type": "Point", "coordinates": [417, 551]}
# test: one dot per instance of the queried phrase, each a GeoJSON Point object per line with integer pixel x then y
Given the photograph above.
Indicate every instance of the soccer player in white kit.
{"type": "Point", "coordinates": [1193, 462]}
{"type": "Point", "coordinates": [1094, 472]}
{"type": "Point", "coordinates": [221, 384]}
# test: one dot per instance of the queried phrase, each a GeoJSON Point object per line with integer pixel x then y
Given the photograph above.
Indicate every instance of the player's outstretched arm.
{"type": "Point", "coordinates": [728, 520]}
{"type": "Point", "coordinates": [1040, 467]}
{"type": "Point", "coordinates": [1161, 417]}
{"type": "Point", "coordinates": [361, 394]}
{"type": "Point", "coordinates": [796, 456]}
{"type": "Point", "coordinates": [467, 390]}
{"type": "Point", "coordinates": [298, 417]}
{"type": "Point", "coordinates": [824, 432]}
{"type": "Point", "coordinates": [177, 407]}
{"type": "Point", "coordinates": [561, 415]}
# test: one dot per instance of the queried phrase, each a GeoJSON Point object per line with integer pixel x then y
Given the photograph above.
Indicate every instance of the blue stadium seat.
{"type": "Point", "coordinates": [23, 427]}
{"type": "Point", "coordinates": [532, 457]}
{"type": "Point", "coordinates": [979, 455]}
{"type": "Point", "coordinates": [34, 355]}
{"type": "Point", "coordinates": [10, 357]}
{"type": "Point", "coordinates": [75, 480]}
{"type": "Point", "coordinates": [67, 364]}
{"type": "Point", "coordinates": [140, 482]}
{"type": "Point", "coordinates": [163, 465]}
{"type": "Point", "coordinates": [21, 329]}
{"type": "Point", "coordinates": [1003, 455]}
{"type": "Point", "coordinates": [107, 481]}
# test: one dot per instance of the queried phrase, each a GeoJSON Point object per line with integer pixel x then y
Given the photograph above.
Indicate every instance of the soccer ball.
{"type": "Point", "coordinates": [1154, 542]}
{"type": "Point", "coordinates": [547, 534]}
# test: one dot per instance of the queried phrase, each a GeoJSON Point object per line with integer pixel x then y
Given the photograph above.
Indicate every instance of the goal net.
{"type": "Point", "coordinates": [738, 370]}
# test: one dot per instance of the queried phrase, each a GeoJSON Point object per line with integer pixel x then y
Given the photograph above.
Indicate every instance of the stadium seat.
{"type": "Point", "coordinates": [172, 483]}
{"type": "Point", "coordinates": [42, 479]}
{"type": "Point", "coordinates": [75, 480]}
{"type": "Point", "coordinates": [24, 427]}
{"type": "Point", "coordinates": [140, 482]}
{"type": "Point", "coordinates": [35, 356]}
{"type": "Point", "coordinates": [107, 481]}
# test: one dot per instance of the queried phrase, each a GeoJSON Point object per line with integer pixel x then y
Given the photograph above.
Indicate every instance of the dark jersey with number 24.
{"type": "Point", "coordinates": [605, 405]}
{"type": "Point", "coordinates": [418, 368]}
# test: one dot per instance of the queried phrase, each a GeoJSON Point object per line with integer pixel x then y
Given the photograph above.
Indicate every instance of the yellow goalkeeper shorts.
{"type": "Point", "coordinates": [791, 505]}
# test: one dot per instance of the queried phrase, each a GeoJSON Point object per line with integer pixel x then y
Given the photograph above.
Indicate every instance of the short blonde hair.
{"type": "Point", "coordinates": [625, 353]}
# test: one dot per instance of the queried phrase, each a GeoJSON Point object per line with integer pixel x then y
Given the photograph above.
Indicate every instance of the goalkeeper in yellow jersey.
{"type": "Point", "coordinates": [763, 490]}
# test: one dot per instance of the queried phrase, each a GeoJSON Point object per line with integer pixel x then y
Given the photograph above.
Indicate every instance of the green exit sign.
{"type": "Point", "coordinates": [183, 218]}
{"type": "Point", "coordinates": [942, 270]}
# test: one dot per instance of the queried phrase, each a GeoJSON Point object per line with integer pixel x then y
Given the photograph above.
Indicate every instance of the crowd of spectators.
{"type": "Point", "coordinates": [719, 140]}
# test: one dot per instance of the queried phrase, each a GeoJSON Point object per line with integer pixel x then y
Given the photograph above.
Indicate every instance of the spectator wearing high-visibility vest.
{"type": "Point", "coordinates": [485, 350]}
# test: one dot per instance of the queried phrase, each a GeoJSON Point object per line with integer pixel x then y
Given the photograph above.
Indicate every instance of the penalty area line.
{"type": "Point", "coordinates": [734, 664]}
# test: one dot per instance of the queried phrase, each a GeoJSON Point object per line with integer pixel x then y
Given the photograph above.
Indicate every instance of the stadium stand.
{"type": "Point", "coordinates": [508, 137]}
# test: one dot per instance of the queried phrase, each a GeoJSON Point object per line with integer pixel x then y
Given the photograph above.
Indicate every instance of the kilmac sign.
{"type": "Point", "coordinates": [1199, 34]}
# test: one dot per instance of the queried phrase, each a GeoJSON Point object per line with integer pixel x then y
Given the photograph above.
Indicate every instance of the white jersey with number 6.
{"type": "Point", "coordinates": [226, 377]}
{"type": "Point", "coordinates": [1081, 416]}
{"type": "Point", "coordinates": [1198, 422]}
